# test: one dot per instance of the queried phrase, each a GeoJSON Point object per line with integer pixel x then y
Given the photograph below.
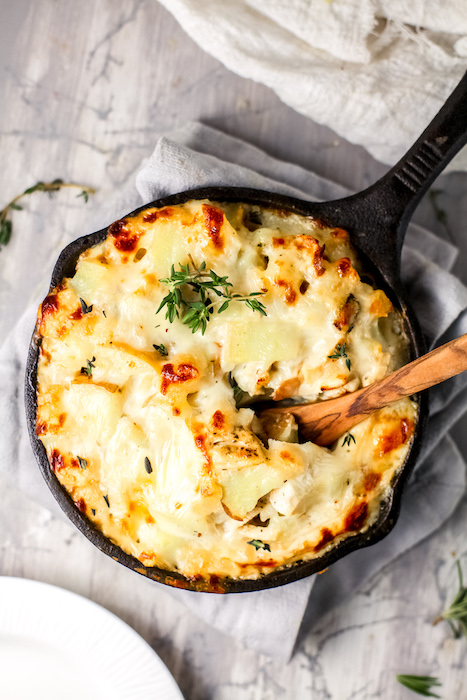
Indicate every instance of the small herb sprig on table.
{"type": "Point", "coordinates": [456, 614]}
{"type": "Point", "coordinates": [419, 684]}
{"type": "Point", "coordinates": [6, 224]}
{"type": "Point", "coordinates": [197, 312]}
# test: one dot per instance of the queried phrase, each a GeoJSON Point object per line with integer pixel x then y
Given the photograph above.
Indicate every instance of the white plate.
{"type": "Point", "coordinates": [56, 645]}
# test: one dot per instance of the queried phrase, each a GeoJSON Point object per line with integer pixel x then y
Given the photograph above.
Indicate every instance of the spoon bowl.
{"type": "Point", "coordinates": [326, 421]}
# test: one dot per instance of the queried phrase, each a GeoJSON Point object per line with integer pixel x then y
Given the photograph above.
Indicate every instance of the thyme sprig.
{"type": "Point", "coordinates": [6, 224]}
{"type": "Point", "coordinates": [195, 313]}
{"type": "Point", "coordinates": [419, 684]}
{"type": "Point", "coordinates": [456, 614]}
{"type": "Point", "coordinates": [340, 353]}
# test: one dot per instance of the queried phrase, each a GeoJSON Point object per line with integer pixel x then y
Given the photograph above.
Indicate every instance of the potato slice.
{"type": "Point", "coordinates": [261, 341]}
{"type": "Point", "coordinates": [96, 411]}
{"type": "Point", "coordinates": [169, 246]}
{"type": "Point", "coordinates": [243, 488]}
{"type": "Point", "coordinates": [88, 278]}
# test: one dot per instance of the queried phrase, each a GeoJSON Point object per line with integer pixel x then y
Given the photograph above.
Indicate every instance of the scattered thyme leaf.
{"type": "Point", "coordinates": [83, 463]}
{"type": "Point", "coordinates": [147, 465]}
{"type": "Point", "coordinates": [106, 499]}
{"type": "Point", "coordinates": [161, 349]}
{"type": "Point", "coordinates": [456, 614]}
{"type": "Point", "coordinates": [259, 544]}
{"type": "Point", "coordinates": [237, 392]}
{"type": "Point", "coordinates": [89, 366]}
{"type": "Point", "coordinates": [6, 225]}
{"type": "Point", "coordinates": [349, 438]}
{"type": "Point", "coordinates": [195, 313]}
{"type": "Point", "coordinates": [340, 353]}
{"type": "Point", "coordinates": [419, 684]}
{"type": "Point", "coordinates": [84, 307]}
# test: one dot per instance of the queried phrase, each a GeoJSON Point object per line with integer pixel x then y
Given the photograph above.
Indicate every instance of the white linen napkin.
{"type": "Point", "coordinates": [269, 620]}
{"type": "Point", "coordinates": [375, 71]}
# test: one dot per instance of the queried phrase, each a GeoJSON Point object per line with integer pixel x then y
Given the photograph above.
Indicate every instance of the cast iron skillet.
{"type": "Point", "coordinates": [376, 219]}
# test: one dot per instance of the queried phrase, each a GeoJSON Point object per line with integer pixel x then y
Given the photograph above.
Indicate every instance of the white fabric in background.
{"type": "Point", "coordinates": [269, 621]}
{"type": "Point", "coordinates": [374, 71]}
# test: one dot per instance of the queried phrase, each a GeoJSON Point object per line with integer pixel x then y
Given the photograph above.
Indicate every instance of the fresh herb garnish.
{"type": "Point", "coordinates": [197, 312]}
{"type": "Point", "coordinates": [419, 684]}
{"type": "Point", "coordinates": [106, 499]}
{"type": "Point", "coordinates": [83, 463]}
{"type": "Point", "coordinates": [456, 614]}
{"type": "Point", "coordinates": [237, 392]}
{"type": "Point", "coordinates": [258, 544]}
{"type": "Point", "coordinates": [89, 365]}
{"type": "Point", "coordinates": [340, 353]}
{"type": "Point", "coordinates": [147, 465]}
{"type": "Point", "coordinates": [161, 349]}
{"type": "Point", "coordinates": [6, 225]}
{"type": "Point", "coordinates": [349, 438]}
{"type": "Point", "coordinates": [84, 307]}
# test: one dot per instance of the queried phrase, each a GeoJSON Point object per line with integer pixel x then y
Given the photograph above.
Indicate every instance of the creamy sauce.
{"type": "Point", "coordinates": [138, 413]}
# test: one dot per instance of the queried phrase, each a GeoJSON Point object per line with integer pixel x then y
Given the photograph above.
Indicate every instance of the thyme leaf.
{"type": "Point", "coordinates": [349, 438]}
{"type": "Point", "coordinates": [419, 684]}
{"type": "Point", "coordinates": [84, 307]}
{"type": "Point", "coordinates": [195, 313]}
{"type": "Point", "coordinates": [340, 353]}
{"type": "Point", "coordinates": [259, 544]}
{"type": "Point", "coordinates": [161, 349]}
{"type": "Point", "coordinates": [147, 465]}
{"type": "Point", "coordinates": [237, 392]}
{"type": "Point", "coordinates": [89, 365]}
{"type": "Point", "coordinates": [6, 225]}
{"type": "Point", "coordinates": [83, 463]}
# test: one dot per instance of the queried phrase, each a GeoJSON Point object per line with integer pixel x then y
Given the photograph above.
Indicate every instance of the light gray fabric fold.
{"type": "Point", "coordinates": [269, 621]}
{"type": "Point", "coordinates": [374, 71]}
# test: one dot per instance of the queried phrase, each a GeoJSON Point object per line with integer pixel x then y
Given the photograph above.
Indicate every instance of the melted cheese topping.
{"type": "Point", "coordinates": [152, 447]}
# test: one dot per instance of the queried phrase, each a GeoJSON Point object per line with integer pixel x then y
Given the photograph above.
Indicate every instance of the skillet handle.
{"type": "Point", "coordinates": [385, 208]}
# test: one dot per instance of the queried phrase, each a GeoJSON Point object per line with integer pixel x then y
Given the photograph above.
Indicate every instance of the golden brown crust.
{"type": "Point", "coordinates": [138, 414]}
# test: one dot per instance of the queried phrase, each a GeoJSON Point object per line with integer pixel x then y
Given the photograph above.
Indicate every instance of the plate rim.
{"type": "Point", "coordinates": [29, 613]}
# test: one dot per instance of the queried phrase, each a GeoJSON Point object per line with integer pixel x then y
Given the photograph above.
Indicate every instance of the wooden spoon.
{"type": "Point", "coordinates": [325, 422]}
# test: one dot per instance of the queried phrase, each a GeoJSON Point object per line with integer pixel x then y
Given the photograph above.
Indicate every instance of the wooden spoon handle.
{"type": "Point", "coordinates": [326, 421]}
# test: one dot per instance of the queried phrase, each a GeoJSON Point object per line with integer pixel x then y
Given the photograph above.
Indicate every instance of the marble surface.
{"type": "Point", "coordinates": [86, 90]}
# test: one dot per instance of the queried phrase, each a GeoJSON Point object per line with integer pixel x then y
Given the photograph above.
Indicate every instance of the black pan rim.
{"type": "Point", "coordinates": [390, 506]}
